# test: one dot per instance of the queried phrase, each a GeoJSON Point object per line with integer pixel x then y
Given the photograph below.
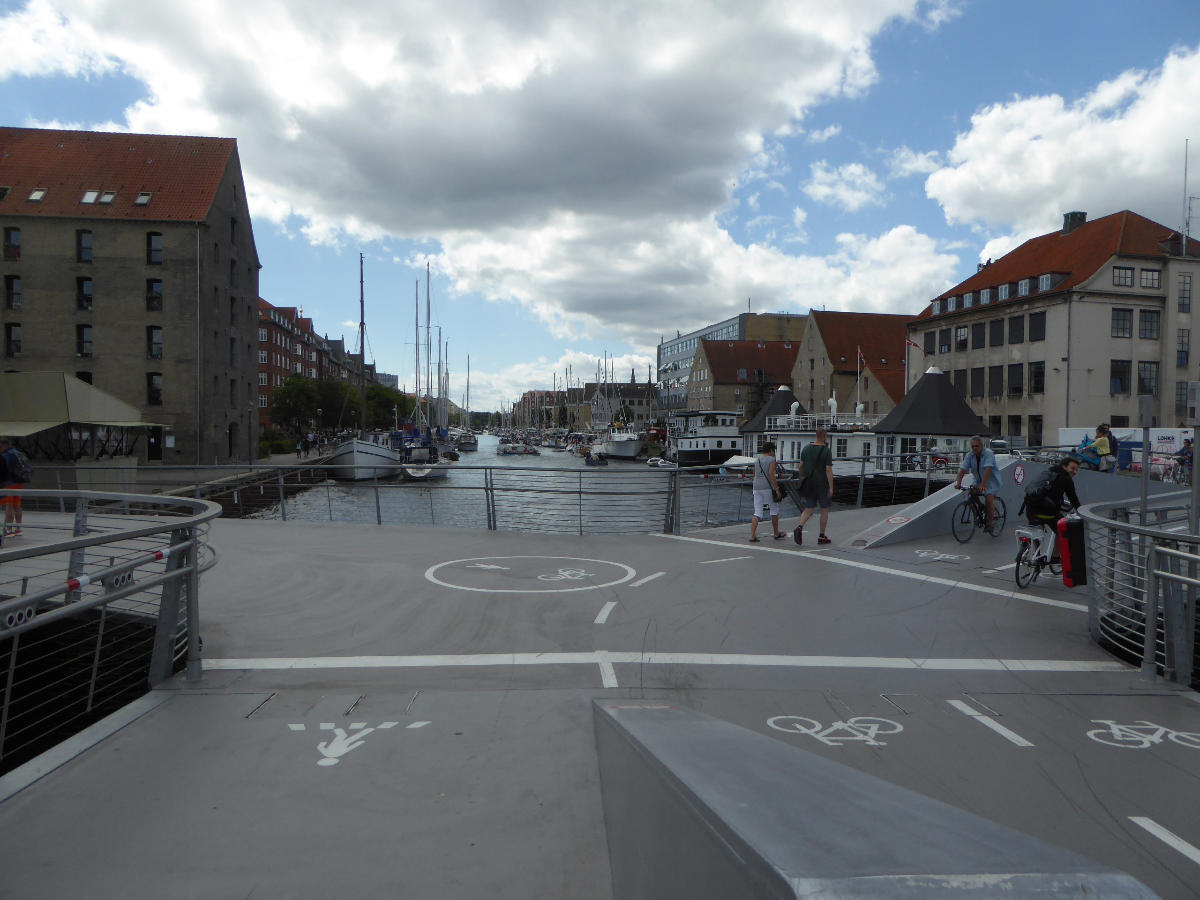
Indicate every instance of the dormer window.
{"type": "Point", "coordinates": [36, 195]}
{"type": "Point", "coordinates": [937, 307]}
{"type": "Point", "coordinates": [985, 296]}
{"type": "Point", "coordinates": [951, 304]}
{"type": "Point", "coordinates": [1023, 287]}
{"type": "Point", "coordinates": [1044, 282]}
{"type": "Point", "coordinates": [968, 299]}
{"type": "Point", "coordinates": [1002, 292]}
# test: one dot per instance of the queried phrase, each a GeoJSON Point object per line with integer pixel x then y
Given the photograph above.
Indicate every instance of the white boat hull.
{"type": "Point", "coordinates": [357, 460]}
{"type": "Point", "coordinates": [618, 448]}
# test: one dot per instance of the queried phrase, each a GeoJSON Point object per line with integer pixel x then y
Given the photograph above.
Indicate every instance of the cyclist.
{"type": "Point", "coordinates": [1044, 498]}
{"type": "Point", "coordinates": [981, 462]}
{"type": "Point", "coordinates": [1185, 457]}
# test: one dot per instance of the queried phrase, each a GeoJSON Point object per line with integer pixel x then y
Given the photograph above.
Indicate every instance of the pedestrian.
{"type": "Point", "coordinates": [767, 492]}
{"type": "Point", "coordinates": [14, 471]}
{"type": "Point", "coordinates": [299, 448]}
{"type": "Point", "coordinates": [816, 468]}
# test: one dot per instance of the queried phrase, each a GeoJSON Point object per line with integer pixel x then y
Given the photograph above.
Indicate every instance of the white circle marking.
{"type": "Point", "coordinates": [430, 576]}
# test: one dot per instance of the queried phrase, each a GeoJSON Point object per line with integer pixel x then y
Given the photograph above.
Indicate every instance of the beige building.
{"type": "Point", "coordinates": [1069, 329]}
{"type": "Point", "coordinates": [853, 357]}
{"type": "Point", "coordinates": [129, 262]}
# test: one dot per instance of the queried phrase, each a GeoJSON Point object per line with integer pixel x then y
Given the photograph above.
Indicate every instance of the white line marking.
{"type": "Point", "coordinates": [673, 659]}
{"type": "Point", "coordinates": [1172, 840]}
{"type": "Point", "coordinates": [432, 577]}
{"type": "Point", "coordinates": [389, 724]}
{"type": "Point", "coordinates": [998, 569]}
{"type": "Point", "coordinates": [296, 727]}
{"type": "Point", "coordinates": [327, 726]}
{"type": "Point", "coordinates": [414, 725]}
{"type": "Point", "coordinates": [356, 725]}
{"type": "Point", "coordinates": [991, 723]}
{"type": "Point", "coordinates": [642, 581]}
{"type": "Point", "coordinates": [608, 676]}
{"type": "Point", "coordinates": [709, 562]}
{"type": "Point", "coordinates": [602, 616]}
{"type": "Point", "coordinates": [899, 573]}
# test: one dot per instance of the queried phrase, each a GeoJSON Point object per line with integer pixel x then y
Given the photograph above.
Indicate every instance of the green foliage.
{"type": "Point", "coordinates": [294, 403]}
{"type": "Point", "coordinates": [384, 405]}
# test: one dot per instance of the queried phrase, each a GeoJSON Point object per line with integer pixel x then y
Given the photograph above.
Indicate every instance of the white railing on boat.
{"type": "Point", "coordinates": [839, 422]}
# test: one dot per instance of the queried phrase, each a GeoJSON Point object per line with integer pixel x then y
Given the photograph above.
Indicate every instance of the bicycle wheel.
{"type": "Point", "coordinates": [999, 517]}
{"type": "Point", "coordinates": [1125, 742]}
{"type": "Point", "coordinates": [1026, 569]}
{"type": "Point", "coordinates": [1186, 738]}
{"type": "Point", "coordinates": [962, 522]}
{"type": "Point", "coordinates": [794, 724]}
{"type": "Point", "coordinates": [881, 726]}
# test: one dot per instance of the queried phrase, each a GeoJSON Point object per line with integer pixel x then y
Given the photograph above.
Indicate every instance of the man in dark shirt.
{"type": "Point", "coordinates": [1044, 505]}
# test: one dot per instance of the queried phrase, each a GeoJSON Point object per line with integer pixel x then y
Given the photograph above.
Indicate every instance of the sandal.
{"type": "Point", "coordinates": [781, 536]}
{"type": "Point", "coordinates": [754, 540]}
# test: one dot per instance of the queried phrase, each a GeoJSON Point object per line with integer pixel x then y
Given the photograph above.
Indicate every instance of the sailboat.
{"type": "Point", "coordinates": [420, 458]}
{"type": "Point", "coordinates": [367, 455]}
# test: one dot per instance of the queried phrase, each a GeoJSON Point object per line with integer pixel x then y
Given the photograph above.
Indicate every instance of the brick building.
{"type": "Point", "coordinates": [739, 375]}
{"type": "Point", "coordinates": [129, 261]}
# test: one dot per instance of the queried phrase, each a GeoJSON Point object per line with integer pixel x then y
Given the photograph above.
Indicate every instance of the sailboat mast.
{"type": "Point", "coordinates": [417, 344]}
{"type": "Point", "coordinates": [428, 353]}
{"type": "Point", "coordinates": [362, 341]}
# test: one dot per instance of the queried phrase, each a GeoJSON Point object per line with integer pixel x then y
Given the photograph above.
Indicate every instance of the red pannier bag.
{"type": "Point", "coordinates": [1070, 548]}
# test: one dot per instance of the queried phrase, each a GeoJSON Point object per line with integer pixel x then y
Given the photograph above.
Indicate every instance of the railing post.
{"type": "Point", "coordinates": [194, 659]}
{"type": "Point", "coordinates": [677, 494]}
{"type": "Point", "coordinates": [62, 508]}
{"type": "Point", "coordinates": [862, 480]}
{"type": "Point", "coordinates": [8, 686]}
{"type": "Point", "coordinates": [162, 654]}
{"type": "Point", "coordinates": [580, 502]}
{"type": "Point", "coordinates": [1150, 614]}
{"type": "Point", "coordinates": [378, 510]}
{"type": "Point", "coordinates": [928, 472]}
{"type": "Point", "coordinates": [76, 560]}
{"type": "Point", "coordinates": [96, 658]}
{"type": "Point", "coordinates": [282, 495]}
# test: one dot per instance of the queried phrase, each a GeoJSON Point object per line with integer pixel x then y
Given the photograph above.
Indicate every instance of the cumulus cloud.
{"type": "Point", "coordinates": [824, 134]}
{"type": "Point", "coordinates": [1025, 162]}
{"type": "Point", "coordinates": [851, 186]}
{"type": "Point", "coordinates": [905, 161]}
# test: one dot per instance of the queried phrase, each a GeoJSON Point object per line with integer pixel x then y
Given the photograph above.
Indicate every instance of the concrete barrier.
{"type": "Point", "coordinates": [696, 807]}
{"type": "Point", "coordinates": [930, 517]}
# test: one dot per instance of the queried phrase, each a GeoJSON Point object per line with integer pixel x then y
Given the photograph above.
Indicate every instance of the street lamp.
{"type": "Point", "coordinates": [250, 434]}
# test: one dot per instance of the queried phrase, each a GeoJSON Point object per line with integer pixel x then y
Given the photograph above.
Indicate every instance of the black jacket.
{"type": "Point", "coordinates": [1058, 484]}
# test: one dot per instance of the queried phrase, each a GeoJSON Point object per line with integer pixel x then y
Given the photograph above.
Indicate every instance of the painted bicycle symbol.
{"type": "Point", "coordinates": [859, 728]}
{"type": "Point", "coordinates": [566, 575]}
{"type": "Point", "coordinates": [1140, 735]}
{"type": "Point", "coordinates": [937, 554]}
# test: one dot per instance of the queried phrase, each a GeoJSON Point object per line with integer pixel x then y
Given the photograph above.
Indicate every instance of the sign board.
{"type": "Point", "coordinates": [897, 520]}
{"type": "Point", "coordinates": [1018, 474]}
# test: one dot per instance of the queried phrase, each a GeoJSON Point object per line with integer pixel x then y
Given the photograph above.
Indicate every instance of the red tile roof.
{"type": "Point", "coordinates": [1076, 256]}
{"type": "Point", "coordinates": [879, 336]}
{"type": "Point", "coordinates": [181, 174]}
{"type": "Point", "coordinates": [775, 358]}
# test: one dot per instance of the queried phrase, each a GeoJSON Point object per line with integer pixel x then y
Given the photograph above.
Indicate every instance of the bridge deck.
{"type": "Point", "coordinates": [408, 711]}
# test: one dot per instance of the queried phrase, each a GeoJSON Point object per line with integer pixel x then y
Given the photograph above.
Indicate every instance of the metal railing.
{"type": "Point", "coordinates": [98, 601]}
{"type": "Point", "coordinates": [1143, 571]}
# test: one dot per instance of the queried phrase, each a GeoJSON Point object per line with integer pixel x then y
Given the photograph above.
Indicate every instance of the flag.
{"type": "Point", "coordinates": [914, 344]}
{"type": "Point", "coordinates": [862, 361]}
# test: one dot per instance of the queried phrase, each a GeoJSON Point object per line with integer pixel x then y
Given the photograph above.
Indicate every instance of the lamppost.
{"type": "Point", "coordinates": [249, 434]}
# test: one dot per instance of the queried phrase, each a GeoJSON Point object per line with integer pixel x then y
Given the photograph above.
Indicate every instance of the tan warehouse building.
{"type": "Point", "coordinates": [1069, 329]}
{"type": "Point", "coordinates": [129, 262]}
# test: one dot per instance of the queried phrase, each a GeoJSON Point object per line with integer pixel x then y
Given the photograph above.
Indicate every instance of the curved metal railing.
{"type": "Point", "coordinates": [1143, 568]}
{"type": "Point", "coordinates": [99, 600]}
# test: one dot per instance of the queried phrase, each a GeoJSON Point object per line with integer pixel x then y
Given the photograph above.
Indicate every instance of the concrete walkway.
{"type": "Point", "coordinates": [406, 712]}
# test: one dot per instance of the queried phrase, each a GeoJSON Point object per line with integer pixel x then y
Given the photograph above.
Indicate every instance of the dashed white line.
{"type": "Point", "coordinates": [413, 725]}
{"type": "Point", "coordinates": [607, 608]}
{"type": "Point", "coordinates": [897, 573]}
{"type": "Point", "coordinates": [642, 581]}
{"type": "Point", "coordinates": [608, 676]}
{"type": "Point", "coordinates": [709, 562]}
{"type": "Point", "coordinates": [991, 723]}
{"type": "Point", "coordinates": [1170, 838]}
{"type": "Point", "coordinates": [999, 569]}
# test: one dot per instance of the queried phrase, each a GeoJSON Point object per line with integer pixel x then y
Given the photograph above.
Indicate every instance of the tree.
{"type": "Point", "coordinates": [385, 405]}
{"type": "Point", "coordinates": [294, 403]}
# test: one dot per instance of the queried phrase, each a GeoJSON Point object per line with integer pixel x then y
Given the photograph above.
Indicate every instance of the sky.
{"type": "Point", "coordinates": [585, 179]}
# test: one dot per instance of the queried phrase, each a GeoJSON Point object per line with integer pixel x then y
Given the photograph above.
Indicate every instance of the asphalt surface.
{"type": "Point", "coordinates": [406, 712]}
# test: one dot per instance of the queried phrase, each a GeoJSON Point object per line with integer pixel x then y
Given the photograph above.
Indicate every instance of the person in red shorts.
{"type": "Point", "coordinates": [12, 504]}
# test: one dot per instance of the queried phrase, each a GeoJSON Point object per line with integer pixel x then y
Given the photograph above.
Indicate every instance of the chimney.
{"type": "Point", "coordinates": [1073, 220]}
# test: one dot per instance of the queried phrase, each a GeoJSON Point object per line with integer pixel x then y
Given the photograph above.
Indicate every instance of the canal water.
{"type": "Point", "coordinates": [554, 491]}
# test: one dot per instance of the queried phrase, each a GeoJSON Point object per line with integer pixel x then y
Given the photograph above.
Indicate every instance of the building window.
{"type": "Point", "coordinates": [1016, 330]}
{"type": "Point", "coordinates": [12, 243]}
{"type": "Point", "coordinates": [1044, 282]}
{"type": "Point", "coordinates": [83, 340]}
{"type": "Point", "coordinates": [977, 383]}
{"type": "Point", "coordinates": [1003, 291]}
{"type": "Point", "coordinates": [83, 246]}
{"type": "Point", "coordinates": [1185, 291]}
{"type": "Point", "coordinates": [154, 295]}
{"type": "Point", "coordinates": [996, 333]}
{"type": "Point", "coordinates": [12, 291]}
{"type": "Point", "coordinates": [83, 293]}
{"type": "Point", "coordinates": [930, 343]}
{"type": "Point", "coordinates": [262, 357]}
{"type": "Point", "coordinates": [232, 310]}
{"type": "Point", "coordinates": [985, 296]}
{"type": "Point", "coordinates": [232, 352]}
{"type": "Point", "coordinates": [37, 195]}
{"type": "Point", "coordinates": [979, 335]}
{"type": "Point", "coordinates": [1118, 421]}
{"type": "Point", "coordinates": [233, 231]}
{"type": "Point", "coordinates": [1037, 378]}
{"type": "Point", "coordinates": [233, 392]}
{"type": "Point", "coordinates": [1181, 398]}
{"type": "Point", "coordinates": [1037, 326]}
{"type": "Point", "coordinates": [944, 340]}
{"type": "Point", "coordinates": [154, 342]}
{"type": "Point", "coordinates": [1183, 346]}
{"type": "Point", "coordinates": [1035, 431]}
{"type": "Point", "coordinates": [1120, 373]}
{"type": "Point", "coordinates": [1122, 323]}
{"type": "Point", "coordinates": [262, 335]}
{"type": "Point", "coordinates": [1148, 324]}
{"type": "Point", "coordinates": [85, 377]}
{"type": "Point", "coordinates": [995, 381]}
{"type": "Point", "coordinates": [1148, 379]}
{"type": "Point", "coordinates": [154, 248]}
{"type": "Point", "coordinates": [1150, 278]}
{"type": "Point", "coordinates": [951, 304]}
{"type": "Point", "coordinates": [960, 338]}
{"type": "Point", "coordinates": [937, 307]}
{"type": "Point", "coordinates": [12, 338]}
{"type": "Point", "coordinates": [233, 273]}
{"type": "Point", "coordinates": [1122, 276]}
{"type": "Point", "coordinates": [1023, 287]}
{"type": "Point", "coordinates": [262, 379]}
{"type": "Point", "coordinates": [1016, 379]}
{"type": "Point", "coordinates": [968, 299]}
{"type": "Point", "coordinates": [262, 401]}
{"type": "Point", "coordinates": [154, 389]}
{"type": "Point", "coordinates": [1014, 426]}
{"type": "Point", "coordinates": [107, 197]}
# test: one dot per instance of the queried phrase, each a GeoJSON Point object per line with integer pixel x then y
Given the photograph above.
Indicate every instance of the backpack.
{"type": "Point", "coordinates": [1037, 493]}
{"type": "Point", "coordinates": [19, 469]}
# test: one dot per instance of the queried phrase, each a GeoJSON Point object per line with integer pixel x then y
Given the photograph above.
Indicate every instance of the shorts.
{"type": "Point", "coordinates": [11, 500]}
{"type": "Point", "coordinates": [815, 496]}
{"type": "Point", "coordinates": [765, 505]}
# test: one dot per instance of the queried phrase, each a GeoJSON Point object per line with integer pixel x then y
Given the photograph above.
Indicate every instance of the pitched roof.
{"type": "Point", "coordinates": [1074, 257]}
{"type": "Point", "coordinates": [879, 337]}
{"type": "Point", "coordinates": [735, 362]}
{"type": "Point", "coordinates": [932, 406]}
{"type": "Point", "coordinates": [780, 404]}
{"type": "Point", "coordinates": [181, 174]}
{"type": "Point", "coordinates": [890, 377]}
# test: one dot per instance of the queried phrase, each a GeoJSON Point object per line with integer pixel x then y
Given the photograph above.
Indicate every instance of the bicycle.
{"type": "Point", "coordinates": [1035, 551]}
{"type": "Point", "coordinates": [972, 514]}
{"type": "Point", "coordinates": [1140, 735]}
